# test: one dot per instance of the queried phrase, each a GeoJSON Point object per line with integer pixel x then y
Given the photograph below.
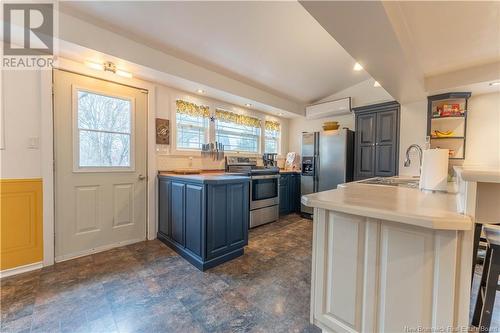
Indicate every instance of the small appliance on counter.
{"type": "Point", "coordinates": [434, 174]}
{"type": "Point", "coordinates": [270, 159]}
{"type": "Point", "coordinates": [264, 188]}
{"type": "Point", "coordinates": [292, 161]}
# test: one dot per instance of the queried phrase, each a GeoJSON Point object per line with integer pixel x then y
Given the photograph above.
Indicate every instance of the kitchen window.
{"type": "Point", "coordinates": [271, 136]}
{"type": "Point", "coordinates": [238, 133]}
{"type": "Point", "coordinates": [191, 121]}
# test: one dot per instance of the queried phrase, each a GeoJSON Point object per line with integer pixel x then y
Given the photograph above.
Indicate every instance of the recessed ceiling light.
{"type": "Point", "coordinates": [495, 83]}
{"type": "Point", "coordinates": [248, 105]}
{"type": "Point", "coordinates": [357, 67]}
{"type": "Point", "coordinates": [200, 91]}
{"type": "Point", "coordinates": [376, 84]}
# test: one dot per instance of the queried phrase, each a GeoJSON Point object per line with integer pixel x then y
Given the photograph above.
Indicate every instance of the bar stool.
{"type": "Point", "coordinates": [478, 227]}
{"type": "Point", "coordinates": [485, 300]}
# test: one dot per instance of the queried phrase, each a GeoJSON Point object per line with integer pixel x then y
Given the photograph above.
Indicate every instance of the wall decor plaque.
{"type": "Point", "coordinates": [162, 131]}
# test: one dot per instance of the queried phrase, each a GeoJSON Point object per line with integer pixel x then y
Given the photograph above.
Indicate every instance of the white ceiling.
{"type": "Point", "coordinates": [273, 45]}
{"type": "Point", "coordinates": [407, 45]}
{"type": "Point", "coordinates": [451, 35]}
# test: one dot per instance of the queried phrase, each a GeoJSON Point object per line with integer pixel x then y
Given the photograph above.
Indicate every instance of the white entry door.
{"type": "Point", "coordinates": [100, 164]}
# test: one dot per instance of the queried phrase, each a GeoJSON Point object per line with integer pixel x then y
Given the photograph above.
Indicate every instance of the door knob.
{"type": "Point", "coordinates": [141, 177]}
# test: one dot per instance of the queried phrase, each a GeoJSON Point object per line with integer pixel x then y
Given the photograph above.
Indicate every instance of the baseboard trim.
{"type": "Point", "coordinates": [97, 249]}
{"type": "Point", "coordinates": [20, 269]}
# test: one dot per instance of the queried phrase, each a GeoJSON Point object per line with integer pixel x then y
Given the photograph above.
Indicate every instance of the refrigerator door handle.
{"type": "Point", "coordinates": [316, 173]}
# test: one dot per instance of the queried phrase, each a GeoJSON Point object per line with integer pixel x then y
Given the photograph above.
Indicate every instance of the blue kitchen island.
{"type": "Point", "coordinates": [204, 217]}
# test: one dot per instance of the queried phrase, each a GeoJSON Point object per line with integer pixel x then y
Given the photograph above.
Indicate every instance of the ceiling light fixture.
{"type": "Point", "coordinates": [123, 73]}
{"type": "Point", "coordinates": [248, 105]}
{"type": "Point", "coordinates": [94, 65]}
{"type": "Point", "coordinates": [280, 113]}
{"type": "Point", "coordinates": [108, 66]}
{"type": "Point", "coordinates": [495, 83]}
{"type": "Point", "coordinates": [376, 84]}
{"type": "Point", "coordinates": [357, 67]}
{"type": "Point", "coordinates": [200, 91]}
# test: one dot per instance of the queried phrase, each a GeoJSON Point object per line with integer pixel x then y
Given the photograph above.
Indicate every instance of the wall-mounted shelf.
{"type": "Point", "coordinates": [448, 113]}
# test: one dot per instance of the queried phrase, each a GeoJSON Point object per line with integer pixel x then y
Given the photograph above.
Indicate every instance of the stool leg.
{"type": "Point", "coordinates": [477, 236]}
{"type": "Point", "coordinates": [482, 284]}
{"type": "Point", "coordinates": [491, 289]}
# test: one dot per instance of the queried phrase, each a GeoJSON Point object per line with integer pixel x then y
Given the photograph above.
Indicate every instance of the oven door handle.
{"type": "Point", "coordinates": [265, 177]}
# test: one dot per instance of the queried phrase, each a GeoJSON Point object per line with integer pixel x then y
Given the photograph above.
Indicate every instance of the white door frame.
{"type": "Point", "coordinates": [47, 150]}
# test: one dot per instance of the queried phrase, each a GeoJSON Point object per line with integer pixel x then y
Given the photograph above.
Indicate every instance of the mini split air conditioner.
{"type": "Point", "coordinates": [329, 109]}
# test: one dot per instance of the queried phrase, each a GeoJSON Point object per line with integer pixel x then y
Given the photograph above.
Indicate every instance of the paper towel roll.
{"type": "Point", "coordinates": [434, 174]}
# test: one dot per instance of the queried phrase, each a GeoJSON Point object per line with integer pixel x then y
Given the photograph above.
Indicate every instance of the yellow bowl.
{"type": "Point", "coordinates": [330, 123]}
{"type": "Point", "coordinates": [330, 127]}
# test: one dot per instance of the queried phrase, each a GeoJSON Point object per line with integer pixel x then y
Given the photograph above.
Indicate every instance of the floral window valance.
{"type": "Point", "coordinates": [237, 118]}
{"type": "Point", "coordinates": [192, 109]}
{"type": "Point", "coordinates": [272, 125]}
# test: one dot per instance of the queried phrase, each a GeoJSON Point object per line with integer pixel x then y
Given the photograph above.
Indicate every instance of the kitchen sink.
{"type": "Point", "coordinates": [392, 181]}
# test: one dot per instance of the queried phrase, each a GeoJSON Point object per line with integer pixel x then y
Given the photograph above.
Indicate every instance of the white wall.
{"type": "Point", "coordinates": [413, 129]}
{"type": "Point", "coordinates": [21, 102]}
{"type": "Point", "coordinates": [483, 131]}
{"type": "Point", "coordinates": [363, 93]}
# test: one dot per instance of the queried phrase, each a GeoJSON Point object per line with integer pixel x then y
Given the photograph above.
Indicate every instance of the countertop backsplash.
{"type": "Point", "coordinates": [170, 162]}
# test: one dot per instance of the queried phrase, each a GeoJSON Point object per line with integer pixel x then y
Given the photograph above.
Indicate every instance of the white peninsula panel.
{"type": "Point", "coordinates": [377, 275]}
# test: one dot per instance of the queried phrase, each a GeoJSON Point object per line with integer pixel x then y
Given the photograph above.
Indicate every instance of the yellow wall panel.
{"type": "Point", "coordinates": [21, 222]}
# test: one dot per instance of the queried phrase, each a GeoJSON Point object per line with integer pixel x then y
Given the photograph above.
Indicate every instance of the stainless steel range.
{"type": "Point", "coordinates": [264, 188]}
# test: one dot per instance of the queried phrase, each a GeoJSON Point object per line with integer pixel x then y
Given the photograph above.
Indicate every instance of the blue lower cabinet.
{"type": "Point", "coordinates": [207, 224]}
{"type": "Point", "coordinates": [289, 191]}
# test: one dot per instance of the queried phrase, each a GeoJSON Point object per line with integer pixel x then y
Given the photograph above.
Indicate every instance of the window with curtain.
{"type": "Point", "coordinates": [271, 136]}
{"type": "Point", "coordinates": [191, 125]}
{"type": "Point", "coordinates": [237, 132]}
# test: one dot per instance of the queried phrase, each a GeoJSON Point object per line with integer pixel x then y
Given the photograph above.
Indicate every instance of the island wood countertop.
{"type": "Point", "coordinates": [399, 204]}
{"type": "Point", "coordinates": [206, 177]}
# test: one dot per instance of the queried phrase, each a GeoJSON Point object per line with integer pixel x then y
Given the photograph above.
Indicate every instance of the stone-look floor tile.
{"type": "Point", "coordinates": [147, 287]}
{"type": "Point", "coordinates": [22, 324]}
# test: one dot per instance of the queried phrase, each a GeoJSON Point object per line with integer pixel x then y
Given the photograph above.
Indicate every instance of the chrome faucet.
{"type": "Point", "coordinates": [419, 150]}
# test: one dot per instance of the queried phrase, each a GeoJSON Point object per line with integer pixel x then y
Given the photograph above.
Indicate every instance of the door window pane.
{"type": "Point", "coordinates": [104, 130]}
{"type": "Point", "coordinates": [101, 149]}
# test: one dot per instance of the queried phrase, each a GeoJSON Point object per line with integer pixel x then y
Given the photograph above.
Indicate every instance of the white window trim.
{"type": "Point", "coordinates": [76, 132]}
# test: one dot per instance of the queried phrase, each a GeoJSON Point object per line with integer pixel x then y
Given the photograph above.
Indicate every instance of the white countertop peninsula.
{"type": "Point", "coordinates": [389, 259]}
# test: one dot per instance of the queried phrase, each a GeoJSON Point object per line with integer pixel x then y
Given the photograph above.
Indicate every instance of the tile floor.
{"type": "Point", "coordinates": [146, 287]}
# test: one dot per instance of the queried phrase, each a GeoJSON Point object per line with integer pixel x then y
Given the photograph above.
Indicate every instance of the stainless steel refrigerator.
{"type": "Point", "coordinates": [327, 160]}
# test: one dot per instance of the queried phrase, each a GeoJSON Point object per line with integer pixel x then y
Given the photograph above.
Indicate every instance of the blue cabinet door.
{"type": "Point", "coordinates": [164, 207]}
{"type": "Point", "coordinates": [177, 226]}
{"type": "Point", "coordinates": [194, 216]}
{"type": "Point", "coordinates": [217, 230]}
{"type": "Point", "coordinates": [284, 193]}
{"type": "Point", "coordinates": [238, 208]}
{"type": "Point", "coordinates": [227, 218]}
{"type": "Point", "coordinates": [295, 193]}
